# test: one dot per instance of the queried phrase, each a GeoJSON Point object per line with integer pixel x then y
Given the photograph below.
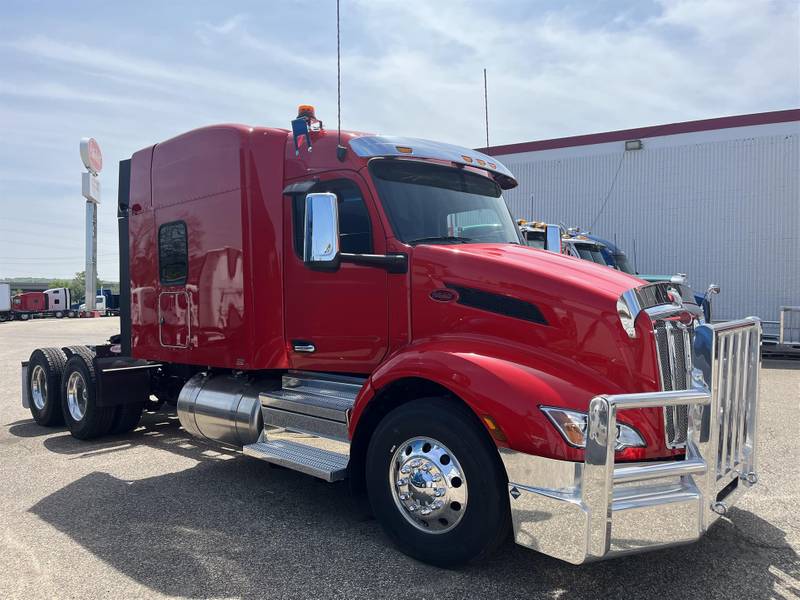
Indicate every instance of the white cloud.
{"type": "Point", "coordinates": [409, 68]}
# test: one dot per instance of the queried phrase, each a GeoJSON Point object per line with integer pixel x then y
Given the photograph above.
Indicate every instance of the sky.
{"type": "Point", "coordinates": [135, 73]}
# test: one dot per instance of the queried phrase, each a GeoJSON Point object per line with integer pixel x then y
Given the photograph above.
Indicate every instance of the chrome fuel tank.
{"type": "Point", "coordinates": [221, 408]}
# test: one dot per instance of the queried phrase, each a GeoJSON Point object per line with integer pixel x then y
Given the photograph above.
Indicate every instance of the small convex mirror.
{"type": "Point", "coordinates": [321, 231]}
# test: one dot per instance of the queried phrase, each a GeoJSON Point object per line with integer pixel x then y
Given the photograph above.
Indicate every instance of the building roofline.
{"type": "Point", "coordinates": [777, 116]}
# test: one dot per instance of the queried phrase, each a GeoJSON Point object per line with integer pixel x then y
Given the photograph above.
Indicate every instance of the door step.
{"type": "Point", "coordinates": [312, 403]}
{"type": "Point", "coordinates": [318, 462]}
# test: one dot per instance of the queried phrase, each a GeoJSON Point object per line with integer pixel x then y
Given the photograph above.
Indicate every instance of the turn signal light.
{"type": "Point", "coordinates": [404, 149]}
{"type": "Point", "coordinates": [494, 429]}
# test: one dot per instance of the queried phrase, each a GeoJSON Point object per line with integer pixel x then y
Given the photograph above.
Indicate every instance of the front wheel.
{"type": "Point", "coordinates": [436, 484]}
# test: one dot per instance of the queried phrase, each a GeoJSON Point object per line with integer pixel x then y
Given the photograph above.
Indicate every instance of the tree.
{"type": "Point", "coordinates": [77, 287]}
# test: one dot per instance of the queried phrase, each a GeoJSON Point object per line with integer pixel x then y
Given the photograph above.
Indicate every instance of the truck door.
{"type": "Point", "coordinates": [173, 319]}
{"type": "Point", "coordinates": [336, 321]}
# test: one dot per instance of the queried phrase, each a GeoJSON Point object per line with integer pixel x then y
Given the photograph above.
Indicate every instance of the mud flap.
{"type": "Point", "coordinates": [26, 401]}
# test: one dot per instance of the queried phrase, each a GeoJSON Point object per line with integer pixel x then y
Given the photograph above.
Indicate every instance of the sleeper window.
{"type": "Point", "coordinates": [173, 253]}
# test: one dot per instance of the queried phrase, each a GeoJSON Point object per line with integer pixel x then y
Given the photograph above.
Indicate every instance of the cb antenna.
{"type": "Point", "coordinates": [341, 151]}
{"type": "Point", "coordinates": [485, 104]}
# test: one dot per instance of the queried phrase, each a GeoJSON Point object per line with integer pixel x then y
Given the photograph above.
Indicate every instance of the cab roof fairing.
{"type": "Point", "coordinates": [389, 146]}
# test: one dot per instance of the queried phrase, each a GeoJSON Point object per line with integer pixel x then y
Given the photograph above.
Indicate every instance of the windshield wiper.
{"type": "Point", "coordinates": [455, 239]}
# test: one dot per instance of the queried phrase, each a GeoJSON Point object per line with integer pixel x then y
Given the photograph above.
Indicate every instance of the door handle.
{"type": "Point", "coordinates": [303, 346]}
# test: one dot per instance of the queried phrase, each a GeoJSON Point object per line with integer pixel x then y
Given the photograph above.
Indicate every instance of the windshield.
{"type": "Point", "coordinates": [590, 252]}
{"type": "Point", "coordinates": [623, 264]}
{"type": "Point", "coordinates": [429, 203]}
{"type": "Point", "coordinates": [535, 239]}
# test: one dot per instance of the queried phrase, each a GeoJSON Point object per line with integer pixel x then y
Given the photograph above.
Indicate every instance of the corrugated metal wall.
{"type": "Point", "coordinates": [726, 212]}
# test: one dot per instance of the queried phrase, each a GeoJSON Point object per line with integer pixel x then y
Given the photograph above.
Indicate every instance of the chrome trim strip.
{"type": "Point", "coordinates": [387, 146]}
{"type": "Point", "coordinates": [133, 368]}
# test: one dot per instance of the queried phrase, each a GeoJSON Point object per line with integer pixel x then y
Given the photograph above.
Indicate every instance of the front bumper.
{"type": "Point", "coordinates": [580, 512]}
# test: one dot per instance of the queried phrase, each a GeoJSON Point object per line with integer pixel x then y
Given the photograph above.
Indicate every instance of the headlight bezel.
{"type": "Point", "coordinates": [568, 423]}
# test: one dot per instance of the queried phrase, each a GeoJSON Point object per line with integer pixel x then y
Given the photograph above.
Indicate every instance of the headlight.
{"type": "Point", "coordinates": [572, 426]}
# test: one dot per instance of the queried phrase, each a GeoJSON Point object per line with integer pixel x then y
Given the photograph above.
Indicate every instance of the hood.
{"type": "Point", "coordinates": [548, 272]}
{"type": "Point", "coordinates": [547, 310]}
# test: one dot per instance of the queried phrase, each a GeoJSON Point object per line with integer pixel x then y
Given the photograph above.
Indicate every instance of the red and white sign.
{"type": "Point", "coordinates": [90, 155]}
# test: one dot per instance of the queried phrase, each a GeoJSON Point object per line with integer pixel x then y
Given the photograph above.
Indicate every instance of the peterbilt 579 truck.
{"type": "Point", "coordinates": [373, 294]}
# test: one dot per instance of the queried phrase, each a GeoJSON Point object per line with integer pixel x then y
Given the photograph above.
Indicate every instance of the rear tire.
{"type": "Point", "coordinates": [59, 315]}
{"type": "Point", "coordinates": [84, 418]}
{"type": "Point", "coordinates": [44, 385]}
{"type": "Point", "coordinates": [23, 317]}
{"type": "Point", "coordinates": [454, 456]}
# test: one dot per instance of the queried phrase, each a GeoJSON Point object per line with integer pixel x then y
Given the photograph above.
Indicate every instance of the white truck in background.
{"type": "Point", "coordinates": [5, 302]}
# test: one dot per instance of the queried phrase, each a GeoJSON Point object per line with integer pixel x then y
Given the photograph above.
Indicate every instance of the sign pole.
{"type": "Point", "coordinates": [91, 255]}
{"type": "Point", "coordinates": [90, 184]}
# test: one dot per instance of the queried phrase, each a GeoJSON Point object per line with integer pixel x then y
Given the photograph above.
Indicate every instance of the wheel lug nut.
{"type": "Point", "coordinates": [426, 467]}
{"type": "Point", "coordinates": [403, 496]}
{"type": "Point", "coordinates": [439, 492]}
{"type": "Point", "coordinates": [412, 508]}
{"type": "Point", "coordinates": [402, 481]}
{"type": "Point", "coordinates": [425, 511]}
{"type": "Point", "coordinates": [405, 470]}
{"type": "Point", "coordinates": [438, 504]}
{"type": "Point", "coordinates": [415, 463]}
{"type": "Point", "coordinates": [437, 477]}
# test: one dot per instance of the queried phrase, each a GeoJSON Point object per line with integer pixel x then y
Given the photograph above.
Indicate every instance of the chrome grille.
{"type": "Point", "coordinates": [674, 343]}
{"type": "Point", "coordinates": [736, 384]}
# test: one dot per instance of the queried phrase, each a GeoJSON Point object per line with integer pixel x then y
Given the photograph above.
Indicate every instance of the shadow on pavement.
{"type": "Point", "coordinates": [28, 428]}
{"type": "Point", "coordinates": [235, 527]}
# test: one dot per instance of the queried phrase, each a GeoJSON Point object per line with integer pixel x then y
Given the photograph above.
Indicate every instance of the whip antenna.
{"type": "Point", "coordinates": [485, 105]}
{"type": "Point", "coordinates": [340, 150]}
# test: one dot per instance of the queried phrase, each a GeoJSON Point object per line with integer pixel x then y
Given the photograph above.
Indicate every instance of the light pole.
{"type": "Point", "coordinates": [90, 186]}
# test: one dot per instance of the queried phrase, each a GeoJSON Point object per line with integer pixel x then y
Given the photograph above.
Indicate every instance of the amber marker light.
{"type": "Point", "coordinates": [494, 429]}
{"type": "Point", "coordinates": [306, 110]}
{"type": "Point", "coordinates": [404, 149]}
{"type": "Point", "coordinates": [467, 159]}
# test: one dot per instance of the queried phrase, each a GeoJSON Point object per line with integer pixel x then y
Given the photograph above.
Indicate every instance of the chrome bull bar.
{"type": "Point", "coordinates": [598, 509]}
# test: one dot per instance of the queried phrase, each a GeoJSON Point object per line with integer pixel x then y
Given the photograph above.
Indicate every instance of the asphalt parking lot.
{"type": "Point", "coordinates": [157, 514]}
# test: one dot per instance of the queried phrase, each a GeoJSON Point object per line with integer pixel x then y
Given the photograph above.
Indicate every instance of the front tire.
{"type": "Point", "coordinates": [436, 484]}
{"type": "Point", "coordinates": [44, 385]}
{"type": "Point", "coordinates": [84, 418]}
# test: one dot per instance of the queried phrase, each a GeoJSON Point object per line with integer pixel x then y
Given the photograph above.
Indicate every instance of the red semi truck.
{"type": "Point", "coordinates": [54, 302]}
{"type": "Point", "coordinates": [373, 293]}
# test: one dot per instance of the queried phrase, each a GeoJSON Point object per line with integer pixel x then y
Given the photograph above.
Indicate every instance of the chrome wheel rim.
{"type": "Point", "coordinates": [39, 387]}
{"type": "Point", "coordinates": [77, 395]}
{"type": "Point", "coordinates": [428, 485]}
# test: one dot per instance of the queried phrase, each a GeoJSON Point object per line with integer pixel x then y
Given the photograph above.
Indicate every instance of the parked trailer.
{"type": "Point", "coordinates": [375, 295]}
{"type": "Point", "coordinates": [5, 302]}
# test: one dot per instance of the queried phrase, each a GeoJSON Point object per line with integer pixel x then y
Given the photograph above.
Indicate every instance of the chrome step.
{"type": "Point", "coordinates": [318, 462]}
{"type": "Point", "coordinates": [312, 403]}
{"type": "Point", "coordinates": [323, 383]}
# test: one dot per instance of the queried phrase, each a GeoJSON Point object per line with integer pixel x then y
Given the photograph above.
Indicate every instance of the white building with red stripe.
{"type": "Point", "coordinates": [717, 199]}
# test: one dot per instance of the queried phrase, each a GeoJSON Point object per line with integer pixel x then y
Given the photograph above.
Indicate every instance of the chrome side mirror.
{"type": "Point", "coordinates": [321, 231]}
{"type": "Point", "coordinates": [553, 238]}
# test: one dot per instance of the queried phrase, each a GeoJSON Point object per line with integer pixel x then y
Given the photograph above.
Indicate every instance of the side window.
{"type": "Point", "coordinates": [355, 229]}
{"type": "Point", "coordinates": [173, 253]}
